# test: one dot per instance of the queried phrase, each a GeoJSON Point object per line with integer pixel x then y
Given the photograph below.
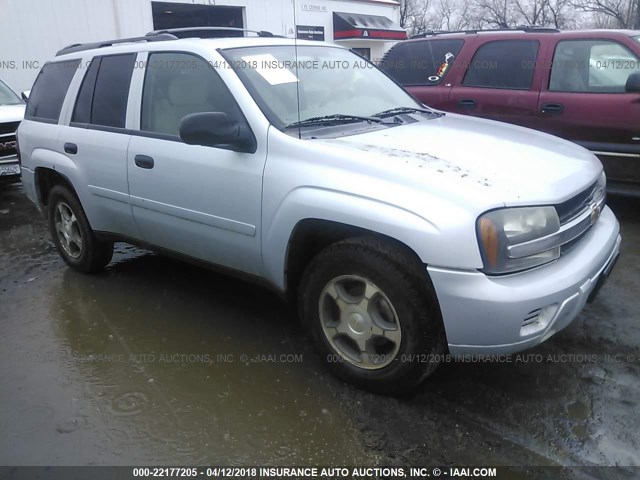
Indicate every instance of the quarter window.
{"type": "Point", "coordinates": [508, 64]}
{"type": "Point", "coordinates": [591, 66]}
{"type": "Point", "coordinates": [82, 110]}
{"type": "Point", "coordinates": [177, 85]}
{"type": "Point", "coordinates": [424, 62]}
{"type": "Point", "coordinates": [49, 91]}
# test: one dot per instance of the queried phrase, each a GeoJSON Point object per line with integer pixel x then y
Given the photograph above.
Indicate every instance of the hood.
{"type": "Point", "coordinates": [12, 113]}
{"type": "Point", "coordinates": [480, 159]}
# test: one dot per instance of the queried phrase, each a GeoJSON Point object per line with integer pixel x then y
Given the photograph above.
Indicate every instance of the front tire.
{"type": "Point", "coordinates": [373, 314]}
{"type": "Point", "coordinates": [72, 234]}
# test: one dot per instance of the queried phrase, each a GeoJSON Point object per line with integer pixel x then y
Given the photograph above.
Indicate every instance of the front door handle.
{"type": "Point", "coordinates": [552, 108]}
{"type": "Point", "coordinates": [468, 103]}
{"type": "Point", "coordinates": [144, 161]}
{"type": "Point", "coordinates": [71, 148]}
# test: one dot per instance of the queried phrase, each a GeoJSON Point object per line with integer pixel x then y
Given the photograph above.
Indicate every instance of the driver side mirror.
{"type": "Point", "coordinates": [25, 95]}
{"type": "Point", "coordinates": [633, 83]}
{"type": "Point", "coordinates": [217, 129]}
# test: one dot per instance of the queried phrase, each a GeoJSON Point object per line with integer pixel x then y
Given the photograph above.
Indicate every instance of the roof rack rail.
{"type": "Point", "coordinates": [166, 35]}
{"type": "Point", "coordinates": [79, 47]}
{"type": "Point", "coordinates": [520, 28]}
{"type": "Point", "coordinates": [209, 32]}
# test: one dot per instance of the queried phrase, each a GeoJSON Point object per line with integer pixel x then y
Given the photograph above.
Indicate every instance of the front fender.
{"type": "Point", "coordinates": [323, 204]}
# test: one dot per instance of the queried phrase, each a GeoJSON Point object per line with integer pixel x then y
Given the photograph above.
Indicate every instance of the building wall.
{"type": "Point", "coordinates": [34, 30]}
{"type": "Point", "coordinates": [320, 13]}
{"type": "Point", "coordinates": [37, 29]}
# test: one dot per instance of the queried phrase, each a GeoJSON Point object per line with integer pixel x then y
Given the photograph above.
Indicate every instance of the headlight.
{"type": "Point", "coordinates": [500, 229]}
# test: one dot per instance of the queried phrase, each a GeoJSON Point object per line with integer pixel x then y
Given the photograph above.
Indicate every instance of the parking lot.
{"type": "Point", "coordinates": [159, 362]}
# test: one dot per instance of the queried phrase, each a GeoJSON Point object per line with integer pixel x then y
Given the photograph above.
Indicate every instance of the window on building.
{"type": "Point", "coordinates": [177, 85]}
{"type": "Point", "coordinates": [167, 15]}
{"type": "Point", "coordinates": [50, 89]}
{"type": "Point", "coordinates": [592, 66]}
{"type": "Point", "coordinates": [508, 64]}
{"type": "Point", "coordinates": [424, 62]}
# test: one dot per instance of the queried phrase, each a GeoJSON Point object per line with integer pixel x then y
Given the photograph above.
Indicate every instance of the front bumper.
{"type": "Point", "coordinates": [9, 170]}
{"type": "Point", "coordinates": [499, 315]}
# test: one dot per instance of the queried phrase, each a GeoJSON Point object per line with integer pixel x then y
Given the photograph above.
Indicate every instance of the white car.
{"type": "Point", "coordinates": [11, 114]}
{"type": "Point", "coordinates": [401, 233]}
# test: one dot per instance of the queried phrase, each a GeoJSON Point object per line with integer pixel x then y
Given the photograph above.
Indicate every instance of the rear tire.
{"type": "Point", "coordinates": [72, 234]}
{"type": "Point", "coordinates": [373, 315]}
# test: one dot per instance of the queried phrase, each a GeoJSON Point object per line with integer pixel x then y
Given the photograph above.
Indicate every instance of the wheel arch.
{"type": "Point", "coordinates": [312, 235]}
{"type": "Point", "coordinates": [47, 178]}
{"type": "Point", "coordinates": [311, 219]}
{"type": "Point", "coordinates": [52, 168]}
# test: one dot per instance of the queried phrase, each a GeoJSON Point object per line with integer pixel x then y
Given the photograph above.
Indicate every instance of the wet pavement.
{"type": "Point", "coordinates": [158, 362]}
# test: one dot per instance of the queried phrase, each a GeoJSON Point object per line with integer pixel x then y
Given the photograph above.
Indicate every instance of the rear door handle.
{"type": "Point", "coordinates": [144, 161]}
{"type": "Point", "coordinates": [552, 108]}
{"type": "Point", "coordinates": [71, 148]}
{"type": "Point", "coordinates": [467, 103]}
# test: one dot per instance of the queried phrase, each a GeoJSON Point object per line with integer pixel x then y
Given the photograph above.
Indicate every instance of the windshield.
{"type": "Point", "coordinates": [328, 81]}
{"type": "Point", "coordinates": [7, 97]}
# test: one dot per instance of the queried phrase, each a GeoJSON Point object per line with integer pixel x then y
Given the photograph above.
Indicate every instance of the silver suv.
{"type": "Point", "coordinates": [401, 233]}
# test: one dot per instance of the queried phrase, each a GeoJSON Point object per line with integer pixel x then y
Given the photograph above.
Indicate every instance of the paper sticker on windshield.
{"type": "Point", "coordinates": [270, 69]}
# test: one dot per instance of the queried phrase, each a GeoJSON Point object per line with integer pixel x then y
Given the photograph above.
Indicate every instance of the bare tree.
{"type": "Point", "coordinates": [497, 13]}
{"type": "Point", "coordinates": [419, 16]}
{"type": "Point", "coordinates": [558, 15]}
{"type": "Point", "coordinates": [452, 15]}
{"type": "Point", "coordinates": [414, 15]}
{"type": "Point", "coordinates": [532, 12]}
{"type": "Point", "coordinates": [623, 13]}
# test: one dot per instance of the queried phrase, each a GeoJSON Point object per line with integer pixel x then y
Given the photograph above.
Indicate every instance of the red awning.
{"type": "Point", "coordinates": [365, 27]}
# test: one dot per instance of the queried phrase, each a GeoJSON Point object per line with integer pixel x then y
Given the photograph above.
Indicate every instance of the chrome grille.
{"type": "Point", "coordinates": [573, 207]}
{"type": "Point", "coordinates": [8, 147]}
{"type": "Point", "coordinates": [9, 127]}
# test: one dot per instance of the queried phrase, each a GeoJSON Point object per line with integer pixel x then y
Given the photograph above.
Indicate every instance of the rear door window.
{"type": "Point", "coordinates": [111, 92]}
{"type": "Point", "coordinates": [505, 64]}
{"type": "Point", "coordinates": [421, 62]}
{"type": "Point", "coordinates": [49, 91]}
{"type": "Point", "coordinates": [592, 66]}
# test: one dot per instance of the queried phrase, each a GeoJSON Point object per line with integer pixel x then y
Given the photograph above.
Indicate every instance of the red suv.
{"type": "Point", "coordinates": [583, 86]}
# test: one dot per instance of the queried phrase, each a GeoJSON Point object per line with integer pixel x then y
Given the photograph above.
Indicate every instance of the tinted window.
{"type": "Point", "coordinates": [82, 110]}
{"type": "Point", "coordinates": [49, 90]}
{"type": "Point", "coordinates": [177, 85]}
{"type": "Point", "coordinates": [593, 66]}
{"type": "Point", "coordinates": [422, 62]}
{"type": "Point", "coordinates": [111, 92]}
{"type": "Point", "coordinates": [506, 64]}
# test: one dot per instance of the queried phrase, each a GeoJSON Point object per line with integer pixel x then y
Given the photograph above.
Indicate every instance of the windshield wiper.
{"type": "Point", "coordinates": [335, 119]}
{"type": "Point", "coordinates": [399, 110]}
